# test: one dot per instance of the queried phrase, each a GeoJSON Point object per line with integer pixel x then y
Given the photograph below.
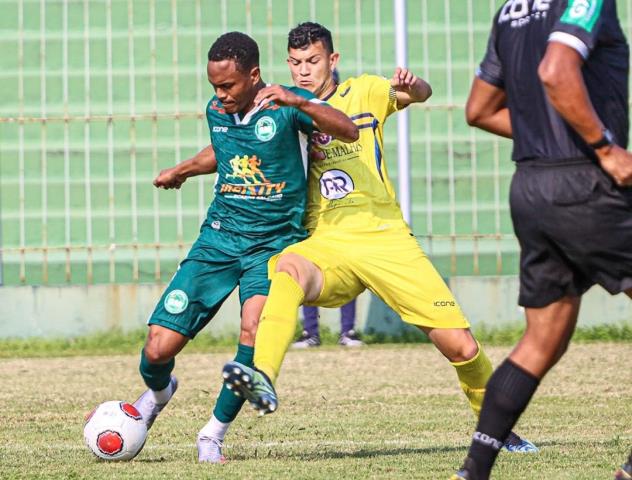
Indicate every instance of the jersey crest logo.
{"type": "Point", "coordinates": [247, 169]}
{"type": "Point", "coordinates": [265, 128]}
{"type": "Point", "coordinates": [321, 139]}
{"type": "Point", "coordinates": [176, 302]}
{"type": "Point", "coordinates": [335, 184]}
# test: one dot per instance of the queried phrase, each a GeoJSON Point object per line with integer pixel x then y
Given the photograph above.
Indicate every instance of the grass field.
{"type": "Point", "coordinates": [377, 412]}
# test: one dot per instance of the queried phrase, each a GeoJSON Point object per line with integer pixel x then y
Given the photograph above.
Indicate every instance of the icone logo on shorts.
{"type": "Point", "coordinates": [445, 303]}
{"type": "Point", "coordinates": [176, 302]}
{"type": "Point", "coordinates": [321, 139]}
{"type": "Point", "coordinates": [335, 184]}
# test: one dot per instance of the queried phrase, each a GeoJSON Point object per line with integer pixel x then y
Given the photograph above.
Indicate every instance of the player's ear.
{"type": "Point", "coordinates": [333, 60]}
{"type": "Point", "coordinates": [255, 74]}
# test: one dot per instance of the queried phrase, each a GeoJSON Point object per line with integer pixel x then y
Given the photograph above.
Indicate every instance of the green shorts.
{"type": "Point", "coordinates": [218, 262]}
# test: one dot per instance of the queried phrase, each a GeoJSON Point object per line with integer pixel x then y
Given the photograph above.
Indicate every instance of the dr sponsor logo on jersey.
{"type": "Point", "coordinates": [176, 302]}
{"type": "Point", "coordinates": [519, 13]}
{"type": "Point", "coordinates": [335, 184]}
{"type": "Point", "coordinates": [265, 128]}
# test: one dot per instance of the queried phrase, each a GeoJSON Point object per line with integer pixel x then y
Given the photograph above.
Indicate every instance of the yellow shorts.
{"type": "Point", "coordinates": [391, 264]}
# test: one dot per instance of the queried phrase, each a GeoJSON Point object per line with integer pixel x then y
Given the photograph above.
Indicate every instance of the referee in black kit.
{"type": "Point", "coordinates": [555, 79]}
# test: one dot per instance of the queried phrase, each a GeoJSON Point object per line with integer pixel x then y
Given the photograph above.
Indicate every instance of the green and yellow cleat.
{"type": "Point", "coordinates": [252, 385]}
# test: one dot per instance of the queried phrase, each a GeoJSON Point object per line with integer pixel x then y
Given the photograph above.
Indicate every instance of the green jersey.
{"type": "Point", "coordinates": [260, 188]}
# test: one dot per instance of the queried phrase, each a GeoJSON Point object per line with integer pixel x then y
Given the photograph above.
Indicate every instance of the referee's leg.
{"type": "Point", "coordinates": [513, 383]}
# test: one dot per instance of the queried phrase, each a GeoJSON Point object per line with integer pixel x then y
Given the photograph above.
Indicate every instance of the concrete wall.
{"type": "Point", "coordinates": [79, 310]}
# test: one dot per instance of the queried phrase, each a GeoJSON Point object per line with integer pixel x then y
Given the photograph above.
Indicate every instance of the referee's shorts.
{"type": "Point", "coordinates": [575, 230]}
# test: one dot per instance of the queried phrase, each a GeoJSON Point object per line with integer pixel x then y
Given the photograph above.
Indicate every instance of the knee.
{"type": "Point", "coordinates": [154, 353]}
{"type": "Point", "coordinates": [465, 348]}
{"type": "Point", "coordinates": [456, 344]}
{"type": "Point", "coordinates": [304, 272]}
{"type": "Point", "coordinates": [289, 263]}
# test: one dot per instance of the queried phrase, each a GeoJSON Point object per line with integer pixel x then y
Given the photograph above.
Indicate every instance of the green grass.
{"type": "Point", "coordinates": [372, 413]}
{"type": "Point", "coordinates": [118, 342]}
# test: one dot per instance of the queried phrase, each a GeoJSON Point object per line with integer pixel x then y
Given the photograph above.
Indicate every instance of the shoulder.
{"type": "Point", "coordinates": [366, 81]}
{"type": "Point", "coordinates": [215, 107]}
{"type": "Point", "coordinates": [301, 92]}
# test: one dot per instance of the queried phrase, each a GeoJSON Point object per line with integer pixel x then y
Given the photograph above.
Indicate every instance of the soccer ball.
{"type": "Point", "coordinates": [115, 431]}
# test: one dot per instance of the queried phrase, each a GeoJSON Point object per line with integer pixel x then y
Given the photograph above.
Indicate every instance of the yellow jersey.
{"type": "Point", "coordinates": [348, 183]}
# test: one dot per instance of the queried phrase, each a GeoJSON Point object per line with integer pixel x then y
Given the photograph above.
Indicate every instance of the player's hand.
{"type": "Point", "coordinates": [316, 155]}
{"type": "Point", "coordinates": [403, 79]}
{"type": "Point", "coordinates": [617, 162]}
{"type": "Point", "coordinates": [279, 95]}
{"type": "Point", "coordinates": [169, 178]}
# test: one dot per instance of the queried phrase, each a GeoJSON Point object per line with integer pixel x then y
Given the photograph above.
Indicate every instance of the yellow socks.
{"type": "Point", "coordinates": [277, 324]}
{"type": "Point", "coordinates": [473, 376]}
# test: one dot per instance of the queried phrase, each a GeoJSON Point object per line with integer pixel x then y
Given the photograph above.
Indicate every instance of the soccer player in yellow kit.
{"type": "Point", "coordinates": [358, 237]}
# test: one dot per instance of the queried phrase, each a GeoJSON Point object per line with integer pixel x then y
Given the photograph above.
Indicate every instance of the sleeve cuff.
{"type": "Point", "coordinates": [570, 41]}
{"type": "Point", "coordinates": [491, 79]}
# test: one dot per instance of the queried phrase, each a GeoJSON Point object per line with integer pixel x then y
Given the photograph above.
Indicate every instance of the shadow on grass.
{"type": "Point", "coordinates": [336, 454]}
{"type": "Point", "coordinates": [326, 453]}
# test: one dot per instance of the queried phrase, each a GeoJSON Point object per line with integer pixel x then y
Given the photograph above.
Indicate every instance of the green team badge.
{"type": "Point", "coordinates": [582, 13]}
{"type": "Point", "coordinates": [265, 129]}
{"type": "Point", "coordinates": [176, 302]}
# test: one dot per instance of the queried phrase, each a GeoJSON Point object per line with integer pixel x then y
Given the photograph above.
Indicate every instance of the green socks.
{"type": "Point", "coordinates": [228, 405]}
{"type": "Point", "coordinates": [156, 375]}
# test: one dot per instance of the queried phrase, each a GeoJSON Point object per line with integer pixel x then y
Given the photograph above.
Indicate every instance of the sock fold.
{"type": "Point", "coordinates": [473, 377]}
{"type": "Point", "coordinates": [156, 375]}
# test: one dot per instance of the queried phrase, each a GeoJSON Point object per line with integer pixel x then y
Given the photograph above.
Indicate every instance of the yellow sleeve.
{"type": "Point", "coordinates": [381, 97]}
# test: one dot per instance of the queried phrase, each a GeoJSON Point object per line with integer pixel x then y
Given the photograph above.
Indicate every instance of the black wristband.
{"type": "Point", "coordinates": [606, 139]}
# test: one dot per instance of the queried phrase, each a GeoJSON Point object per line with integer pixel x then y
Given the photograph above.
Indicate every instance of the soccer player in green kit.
{"type": "Point", "coordinates": [259, 149]}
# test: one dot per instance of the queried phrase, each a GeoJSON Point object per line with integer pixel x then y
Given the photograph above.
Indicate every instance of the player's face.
{"type": "Point", "coordinates": [312, 68]}
{"type": "Point", "coordinates": [234, 87]}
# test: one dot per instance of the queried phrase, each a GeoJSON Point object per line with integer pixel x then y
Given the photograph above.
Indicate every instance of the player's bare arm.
{"type": "Point", "coordinates": [486, 108]}
{"type": "Point", "coordinates": [203, 162]}
{"type": "Point", "coordinates": [326, 119]}
{"type": "Point", "coordinates": [409, 87]}
{"type": "Point", "coordinates": [560, 73]}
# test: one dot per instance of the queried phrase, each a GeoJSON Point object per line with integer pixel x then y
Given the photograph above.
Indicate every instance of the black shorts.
{"type": "Point", "coordinates": [574, 226]}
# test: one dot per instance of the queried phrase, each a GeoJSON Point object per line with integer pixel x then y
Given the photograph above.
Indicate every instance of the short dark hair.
{"type": "Point", "coordinates": [308, 33]}
{"type": "Point", "coordinates": [235, 46]}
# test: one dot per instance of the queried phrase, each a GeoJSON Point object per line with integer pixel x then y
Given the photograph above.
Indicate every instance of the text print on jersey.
{"type": "Point", "coordinates": [519, 13]}
{"type": "Point", "coordinates": [252, 182]}
{"type": "Point", "coordinates": [335, 184]}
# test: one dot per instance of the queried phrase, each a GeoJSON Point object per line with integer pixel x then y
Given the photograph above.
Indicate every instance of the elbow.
{"type": "Point", "coordinates": [472, 116]}
{"type": "Point", "coordinates": [549, 75]}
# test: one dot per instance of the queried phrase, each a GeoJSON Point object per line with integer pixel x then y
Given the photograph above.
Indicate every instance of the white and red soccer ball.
{"type": "Point", "coordinates": [115, 431]}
